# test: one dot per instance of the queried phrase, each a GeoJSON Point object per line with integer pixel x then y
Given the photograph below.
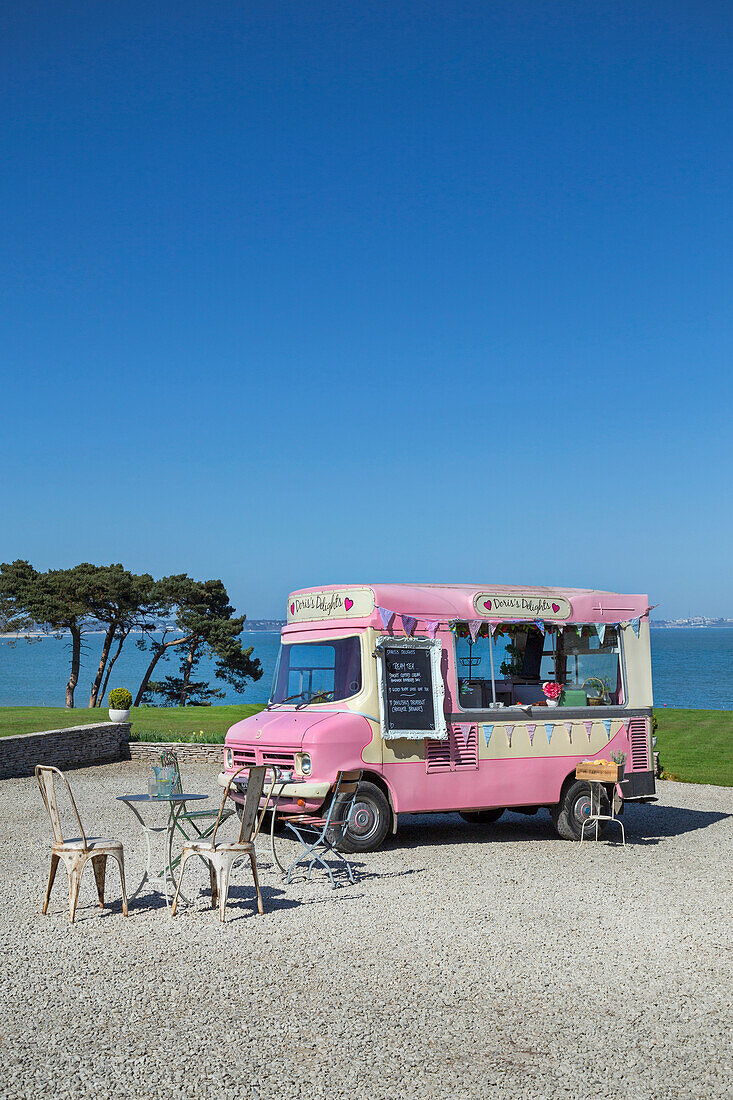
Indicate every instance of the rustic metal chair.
{"type": "Point", "coordinates": [319, 835]}
{"type": "Point", "coordinates": [222, 855]}
{"type": "Point", "coordinates": [191, 824]}
{"type": "Point", "coordinates": [76, 851]}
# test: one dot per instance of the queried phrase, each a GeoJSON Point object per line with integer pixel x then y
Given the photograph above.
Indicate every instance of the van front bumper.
{"type": "Point", "coordinates": [287, 791]}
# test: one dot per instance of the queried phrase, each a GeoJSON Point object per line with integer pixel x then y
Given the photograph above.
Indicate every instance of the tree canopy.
{"type": "Point", "coordinates": [76, 599]}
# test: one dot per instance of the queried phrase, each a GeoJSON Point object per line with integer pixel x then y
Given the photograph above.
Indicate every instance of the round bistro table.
{"type": "Point", "coordinates": [176, 804]}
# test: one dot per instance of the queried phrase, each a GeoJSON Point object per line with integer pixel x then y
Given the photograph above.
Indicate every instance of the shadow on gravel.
{"type": "Point", "coordinates": [653, 824]}
{"type": "Point", "coordinates": [644, 824]}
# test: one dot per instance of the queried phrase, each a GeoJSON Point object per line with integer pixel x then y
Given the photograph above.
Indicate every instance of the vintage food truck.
{"type": "Point", "coordinates": [467, 698]}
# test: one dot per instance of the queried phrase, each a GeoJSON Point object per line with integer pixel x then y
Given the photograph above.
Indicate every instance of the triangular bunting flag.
{"type": "Point", "coordinates": [432, 626]}
{"type": "Point", "coordinates": [579, 628]}
{"type": "Point", "coordinates": [569, 728]}
{"type": "Point", "coordinates": [386, 616]}
{"type": "Point", "coordinates": [409, 622]}
{"type": "Point", "coordinates": [492, 628]}
{"type": "Point", "coordinates": [466, 731]}
{"type": "Point", "coordinates": [509, 730]}
{"type": "Point", "coordinates": [549, 727]}
{"type": "Point", "coordinates": [540, 625]}
{"type": "Point", "coordinates": [488, 730]}
{"type": "Point", "coordinates": [607, 724]}
{"type": "Point", "coordinates": [473, 628]}
{"type": "Point", "coordinates": [530, 732]}
{"type": "Point", "coordinates": [635, 624]}
{"type": "Point", "coordinates": [588, 729]}
{"type": "Point", "coordinates": [601, 631]}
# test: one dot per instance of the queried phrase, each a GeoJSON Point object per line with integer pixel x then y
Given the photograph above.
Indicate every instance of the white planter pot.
{"type": "Point", "coordinates": [119, 715]}
{"type": "Point", "coordinates": [550, 703]}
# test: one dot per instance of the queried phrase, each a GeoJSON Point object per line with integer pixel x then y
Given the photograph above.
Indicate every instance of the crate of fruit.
{"type": "Point", "coordinates": [602, 771]}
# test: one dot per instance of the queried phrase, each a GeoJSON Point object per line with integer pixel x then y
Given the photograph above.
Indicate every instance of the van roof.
{"type": "Point", "coordinates": [470, 602]}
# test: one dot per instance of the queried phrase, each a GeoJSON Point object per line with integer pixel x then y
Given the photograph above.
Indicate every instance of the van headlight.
{"type": "Point", "coordinates": [228, 758]}
{"type": "Point", "coordinates": [303, 761]}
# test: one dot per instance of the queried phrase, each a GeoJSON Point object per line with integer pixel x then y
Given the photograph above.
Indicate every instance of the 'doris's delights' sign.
{"type": "Point", "coordinates": [345, 603]}
{"type": "Point", "coordinates": [520, 606]}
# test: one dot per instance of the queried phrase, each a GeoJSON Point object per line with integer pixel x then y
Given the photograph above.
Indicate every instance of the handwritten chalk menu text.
{"type": "Point", "coordinates": [409, 689]}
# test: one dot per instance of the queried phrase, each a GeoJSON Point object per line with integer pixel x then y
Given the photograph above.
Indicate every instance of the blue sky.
{"type": "Point", "coordinates": [308, 293]}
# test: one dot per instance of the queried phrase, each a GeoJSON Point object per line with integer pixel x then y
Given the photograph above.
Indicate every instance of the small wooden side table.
{"type": "Point", "coordinates": [597, 776]}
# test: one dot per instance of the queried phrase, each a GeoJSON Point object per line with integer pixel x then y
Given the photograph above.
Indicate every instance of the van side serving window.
{"type": "Point", "coordinates": [524, 658]}
{"type": "Point", "coordinates": [318, 672]}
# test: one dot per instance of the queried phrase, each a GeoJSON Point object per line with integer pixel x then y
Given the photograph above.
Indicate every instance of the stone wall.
{"type": "Point", "coordinates": [83, 746]}
{"type": "Point", "coordinates": [152, 751]}
{"type": "Point", "coordinates": [75, 747]}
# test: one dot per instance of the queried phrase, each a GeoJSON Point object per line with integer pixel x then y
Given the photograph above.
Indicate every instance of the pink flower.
{"type": "Point", "coordinates": [551, 690]}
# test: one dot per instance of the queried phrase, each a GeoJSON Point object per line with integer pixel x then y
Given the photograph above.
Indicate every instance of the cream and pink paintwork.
{"type": "Point", "coordinates": [347, 735]}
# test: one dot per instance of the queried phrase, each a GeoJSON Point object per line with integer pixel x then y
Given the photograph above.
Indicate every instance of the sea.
{"type": "Point", "coordinates": [691, 667]}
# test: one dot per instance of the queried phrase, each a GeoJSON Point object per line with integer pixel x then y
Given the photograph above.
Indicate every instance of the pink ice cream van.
{"type": "Point", "coordinates": [467, 698]}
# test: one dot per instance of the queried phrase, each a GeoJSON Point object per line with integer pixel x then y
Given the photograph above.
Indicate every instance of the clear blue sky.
{"type": "Point", "coordinates": [299, 293]}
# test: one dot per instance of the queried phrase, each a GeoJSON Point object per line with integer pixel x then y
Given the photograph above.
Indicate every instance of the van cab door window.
{"type": "Point", "coordinates": [317, 672]}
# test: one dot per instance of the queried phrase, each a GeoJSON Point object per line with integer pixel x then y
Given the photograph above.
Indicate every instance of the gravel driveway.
{"type": "Point", "coordinates": [467, 961]}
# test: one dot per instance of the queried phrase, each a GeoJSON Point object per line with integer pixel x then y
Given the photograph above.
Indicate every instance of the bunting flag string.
{"type": "Point", "coordinates": [432, 626]}
{"type": "Point", "coordinates": [409, 622]}
{"type": "Point", "coordinates": [473, 628]}
{"type": "Point", "coordinates": [386, 616]}
{"type": "Point", "coordinates": [588, 729]}
{"type": "Point", "coordinates": [607, 724]}
{"type": "Point", "coordinates": [549, 728]}
{"type": "Point", "coordinates": [509, 730]}
{"type": "Point", "coordinates": [569, 728]}
{"type": "Point", "coordinates": [488, 730]}
{"type": "Point", "coordinates": [530, 732]}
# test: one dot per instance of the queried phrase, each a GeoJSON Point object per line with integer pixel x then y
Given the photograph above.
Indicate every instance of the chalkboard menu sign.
{"type": "Point", "coordinates": [411, 696]}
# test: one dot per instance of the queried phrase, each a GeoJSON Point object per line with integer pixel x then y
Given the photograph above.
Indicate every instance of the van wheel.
{"type": "Point", "coordinates": [574, 809]}
{"type": "Point", "coordinates": [481, 817]}
{"type": "Point", "coordinates": [370, 820]}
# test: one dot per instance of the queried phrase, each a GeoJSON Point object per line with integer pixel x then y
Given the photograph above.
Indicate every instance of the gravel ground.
{"type": "Point", "coordinates": [466, 961]}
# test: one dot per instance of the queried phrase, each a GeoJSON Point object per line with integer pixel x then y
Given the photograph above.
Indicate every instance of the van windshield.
{"type": "Point", "coordinates": [318, 672]}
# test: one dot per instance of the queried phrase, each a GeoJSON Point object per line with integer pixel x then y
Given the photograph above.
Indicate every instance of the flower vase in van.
{"type": "Point", "coordinates": [552, 693]}
{"type": "Point", "coordinates": [435, 694]}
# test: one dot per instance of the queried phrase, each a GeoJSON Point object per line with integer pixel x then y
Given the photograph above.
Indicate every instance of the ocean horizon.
{"type": "Point", "coordinates": [692, 667]}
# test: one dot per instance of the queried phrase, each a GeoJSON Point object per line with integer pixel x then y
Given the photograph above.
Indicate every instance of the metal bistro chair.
{"type": "Point", "coordinates": [223, 855]}
{"type": "Point", "coordinates": [75, 851]}
{"type": "Point", "coordinates": [320, 835]}
{"type": "Point", "coordinates": [191, 824]}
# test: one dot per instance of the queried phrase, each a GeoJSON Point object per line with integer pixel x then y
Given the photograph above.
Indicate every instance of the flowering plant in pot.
{"type": "Point", "coordinates": [552, 693]}
{"type": "Point", "coordinates": [120, 701]}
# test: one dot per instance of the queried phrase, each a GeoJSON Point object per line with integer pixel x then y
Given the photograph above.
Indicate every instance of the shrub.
{"type": "Point", "coordinates": [120, 699]}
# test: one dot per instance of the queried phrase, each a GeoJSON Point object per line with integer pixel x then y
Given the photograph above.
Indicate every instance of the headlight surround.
{"type": "Point", "coordinates": [303, 762]}
{"type": "Point", "coordinates": [228, 758]}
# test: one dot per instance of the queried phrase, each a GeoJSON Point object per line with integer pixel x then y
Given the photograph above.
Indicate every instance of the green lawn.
{"type": "Point", "coordinates": [207, 724]}
{"type": "Point", "coordinates": [695, 746]}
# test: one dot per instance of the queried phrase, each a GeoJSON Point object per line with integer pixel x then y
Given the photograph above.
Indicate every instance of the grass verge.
{"type": "Point", "coordinates": [205, 724]}
{"type": "Point", "coordinates": [695, 746]}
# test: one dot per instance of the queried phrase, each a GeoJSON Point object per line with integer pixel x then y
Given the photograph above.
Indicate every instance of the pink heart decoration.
{"type": "Point", "coordinates": [487, 605]}
{"type": "Point", "coordinates": [292, 609]}
{"type": "Point", "coordinates": [348, 604]}
{"type": "Point", "coordinates": [556, 607]}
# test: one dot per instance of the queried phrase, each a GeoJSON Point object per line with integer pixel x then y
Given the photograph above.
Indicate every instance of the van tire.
{"type": "Point", "coordinates": [481, 817]}
{"type": "Point", "coordinates": [370, 821]}
{"type": "Point", "coordinates": [573, 808]}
